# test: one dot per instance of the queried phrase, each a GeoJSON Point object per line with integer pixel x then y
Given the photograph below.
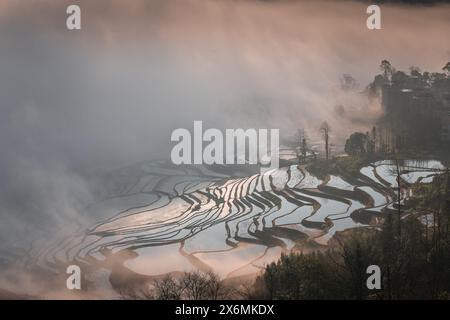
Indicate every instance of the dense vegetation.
{"type": "Point", "coordinates": [416, 113]}
{"type": "Point", "coordinates": [413, 255]}
{"type": "Point", "coordinates": [412, 248]}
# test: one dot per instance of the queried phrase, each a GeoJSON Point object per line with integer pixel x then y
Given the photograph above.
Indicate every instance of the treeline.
{"type": "Point", "coordinates": [411, 268]}
{"type": "Point", "coordinates": [414, 265]}
{"type": "Point", "coordinates": [194, 285]}
{"type": "Point", "coordinates": [416, 108]}
{"type": "Point", "coordinates": [412, 250]}
{"type": "Point", "coordinates": [415, 79]}
{"type": "Point", "coordinates": [413, 254]}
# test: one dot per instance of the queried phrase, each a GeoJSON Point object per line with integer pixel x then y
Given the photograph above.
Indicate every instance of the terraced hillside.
{"type": "Point", "coordinates": [157, 218]}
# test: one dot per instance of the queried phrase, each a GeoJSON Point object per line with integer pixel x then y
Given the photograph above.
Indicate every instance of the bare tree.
{"type": "Point", "coordinates": [303, 146]}
{"type": "Point", "coordinates": [215, 288]}
{"type": "Point", "coordinates": [325, 129]}
{"type": "Point", "coordinates": [204, 286]}
{"type": "Point", "coordinates": [399, 190]}
{"type": "Point", "coordinates": [194, 285]}
{"type": "Point", "coordinates": [168, 289]}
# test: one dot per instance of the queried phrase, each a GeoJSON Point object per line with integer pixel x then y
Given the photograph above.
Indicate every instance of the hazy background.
{"type": "Point", "coordinates": [73, 102]}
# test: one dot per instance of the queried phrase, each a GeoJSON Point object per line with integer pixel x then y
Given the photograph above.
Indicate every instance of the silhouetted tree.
{"type": "Point", "coordinates": [193, 285]}
{"type": "Point", "coordinates": [446, 68]}
{"type": "Point", "coordinates": [356, 144]}
{"type": "Point", "coordinates": [387, 69]}
{"type": "Point", "coordinates": [168, 289]}
{"type": "Point", "coordinates": [325, 128]}
{"type": "Point", "coordinates": [348, 83]}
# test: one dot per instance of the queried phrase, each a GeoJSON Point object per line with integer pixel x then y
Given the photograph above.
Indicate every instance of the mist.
{"type": "Point", "coordinates": [109, 95]}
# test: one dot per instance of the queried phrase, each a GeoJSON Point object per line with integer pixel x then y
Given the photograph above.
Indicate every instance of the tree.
{"type": "Point", "coordinates": [357, 253]}
{"type": "Point", "coordinates": [300, 276]}
{"type": "Point", "coordinates": [415, 71]}
{"type": "Point", "coordinates": [356, 144]}
{"type": "Point", "coordinates": [374, 138]}
{"type": "Point", "coordinates": [168, 289]}
{"type": "Point", "coordinates": [436, 78]}
{"type": "Point", "coordinates": [400, 79]}
{"type": "Point", "coordinates": [325, 128]}
{"type": "Point", "coordinates": [303, 146]}
{"type": "Point", "coordinates": [387, 69]}
{"type": "Point", "coordinates": [193, 285]}
{"type": "Point", "coordinates": [348, 83]}
{"type": "Point", "coordinates": [446, 68]}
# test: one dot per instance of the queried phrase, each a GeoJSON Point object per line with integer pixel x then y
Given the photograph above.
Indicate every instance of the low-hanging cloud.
{"type": "Point", "coordinates": [111, 94]}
